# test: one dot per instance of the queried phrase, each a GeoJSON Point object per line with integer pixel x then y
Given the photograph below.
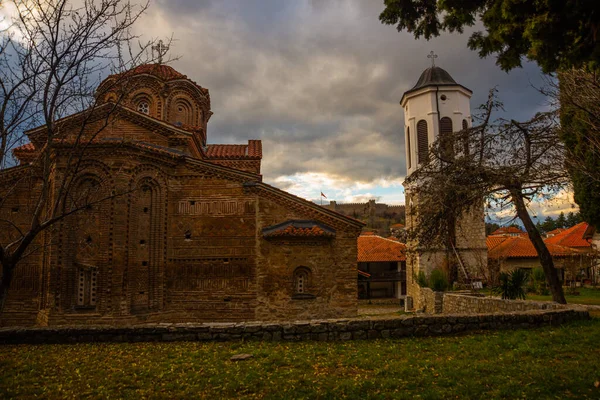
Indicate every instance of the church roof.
{"type": "Point", "coordinates": [161, 71]}
{"type": "Point", "coordinates": [252, 150]}
{"type": "Point", "coordinates": [164, 72]}
{"type": "Point", "coordinates": [434, 76]}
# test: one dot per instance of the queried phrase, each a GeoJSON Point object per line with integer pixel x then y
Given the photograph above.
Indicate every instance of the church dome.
{"type": "Point", "coordinates": [164, 72]}
{"type": "Point", "coordinates": [434, 76]}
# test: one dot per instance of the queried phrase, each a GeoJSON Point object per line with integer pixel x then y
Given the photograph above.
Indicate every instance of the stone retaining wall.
{"type": "Point", "coordinates": [454, 303]}
{"type": "Point", "coordinates": [327, 330]}
{"type": "Point", "coordinates": [432, 302]}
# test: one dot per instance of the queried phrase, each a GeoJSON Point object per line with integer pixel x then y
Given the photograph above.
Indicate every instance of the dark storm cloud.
{"type": "Point", "coordinates": [319, 81]}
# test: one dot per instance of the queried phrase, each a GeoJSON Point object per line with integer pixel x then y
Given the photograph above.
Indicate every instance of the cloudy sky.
{"type": "Point", "coordinates": [319, 81]}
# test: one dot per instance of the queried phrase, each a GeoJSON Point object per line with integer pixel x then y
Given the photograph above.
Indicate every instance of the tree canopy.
{"type": "Point", "coordinates": [556, 34]}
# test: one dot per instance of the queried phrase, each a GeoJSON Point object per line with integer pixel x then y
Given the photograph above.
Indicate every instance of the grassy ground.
{"type": "Point", "coordinates": [560, 363]}
{"type": "Point", "coordinates": [586, 296]}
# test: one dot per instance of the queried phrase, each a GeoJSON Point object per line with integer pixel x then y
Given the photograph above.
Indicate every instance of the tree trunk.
{"type": "Point", "coordinates": [545, 256]}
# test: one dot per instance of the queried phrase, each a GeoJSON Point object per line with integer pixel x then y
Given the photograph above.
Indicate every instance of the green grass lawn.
{"type": "Point", "coordinates": [586, 296]}
{"type": "Point", "coordinates": [554, 362]}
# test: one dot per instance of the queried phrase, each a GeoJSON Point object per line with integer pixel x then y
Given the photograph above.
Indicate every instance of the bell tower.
{"type": "Point", "coordinates": [437, 104]}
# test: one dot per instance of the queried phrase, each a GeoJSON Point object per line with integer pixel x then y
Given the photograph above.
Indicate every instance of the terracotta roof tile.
{"type": "Point", "coordinates": [299, 229]}
{"type": "Point", "coordinates": [397, 226]}
{"type": "Point", "coordinates": [555, 232]}
{"type": "Point", "coordinates": [508, 230]}
{"type": "Point", "coordinates": [252, 150]}
{"type": "Point", "coordinates": [521, 247]}
{"type": "Point", "coordinates": [576, 236]}
{"type": "Point", "coordinates": [26, 147]}
{"type": "Point", "coordinates": [164, 72]}
{"type": "Point", "coordinates": [373, 248]}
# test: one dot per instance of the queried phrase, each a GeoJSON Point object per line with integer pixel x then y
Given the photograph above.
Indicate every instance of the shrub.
{"type": "Point", "coordinates": [438, 281]}
{"type": "Point", "coordinates": [512, 285]}
{"type": "Point", "coordinates": [422, 279]}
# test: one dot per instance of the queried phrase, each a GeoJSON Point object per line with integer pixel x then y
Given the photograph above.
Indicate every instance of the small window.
{"type": "Point", "coordinates": [408, 149]}
{"type": "Point", "coordinates": [465, 126]}
{"type": "Point", "coordinates": [87, 287]}
{"type": "Point", "coordinates": [143, 107]}
{"type": "Point", "coordinates": [446, 138]}
{"type": "Point", "coordinates": [301, 284]}
{"type": "Point", "coordinates": [422, 141]}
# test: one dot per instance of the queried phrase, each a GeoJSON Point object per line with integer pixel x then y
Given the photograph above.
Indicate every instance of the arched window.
{"type": "Point", "coordinates": [144, 107]}
{"type": "Point", "coordinates": [465, 126]}
{"type": "Point", "coordinates": [301, 280]}
{"type": "Point", "coordinates": [422, 141]}
{"type": "Point", "coordinates": [182, 113]}
{"type": "Point", "coordinates": [446, 137]}
{"type": "Point", "coordinates": [408, 149]}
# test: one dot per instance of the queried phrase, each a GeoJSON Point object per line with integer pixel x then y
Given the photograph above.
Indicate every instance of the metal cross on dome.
{"type": "Point", "coordinates": [433, 56]}
{"type": "Point", "coordinates": [161, 50]}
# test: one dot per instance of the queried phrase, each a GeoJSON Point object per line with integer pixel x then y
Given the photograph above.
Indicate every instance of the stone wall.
{"type": "Point", "coordinates": [466, 304]}
{"type": "Point", "coordinates": [431, 302]}
{"type": "Point", "coordinates": [431, 325]}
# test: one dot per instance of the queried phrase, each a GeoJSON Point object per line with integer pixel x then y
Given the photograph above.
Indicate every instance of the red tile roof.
{"type": "Point", "coordinates": [164, 72]}
{"type": "Point", "coordinates": [397, 226]}
{"type": "Point", "coordinates": [576, 236]}
{"type": "Point", "coordinates": [521, 247]}
{"type": "Point", "coordinates": [508, 230]}
{"type": "Point", "coordinates": [555, 232]}
{"type": "Point", "coordinates": [26, 147]}
{"type": "Point", "coordinates": [372, 248]}
{"type": "Point", "coordinates": [252, 150]}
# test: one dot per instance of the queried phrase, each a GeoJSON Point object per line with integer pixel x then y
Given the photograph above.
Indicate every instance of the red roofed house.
{"type": "Point", "coordinates": [571, 250]}
{"type": "Point", "coordinates": [381, 267]}
{"type": "Point", "coordinates": [195, 236]}
{"type": "Point", "coordinates": [509, 231]}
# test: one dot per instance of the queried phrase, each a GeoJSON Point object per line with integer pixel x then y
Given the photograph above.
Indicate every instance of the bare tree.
{"type": "Point", "coordinates": [505, 163]}
{"type": "Point", "coordinates": [53, 54]}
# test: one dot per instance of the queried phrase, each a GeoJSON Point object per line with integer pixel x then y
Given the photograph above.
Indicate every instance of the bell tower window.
{"type": "Point", "coordinates": [143, 107]}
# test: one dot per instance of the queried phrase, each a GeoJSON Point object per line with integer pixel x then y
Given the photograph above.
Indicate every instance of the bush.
{"type": "Point", "coordinates": [512, 285]}
{"type": "Point", "coordinates": [438, 281]}
{"type": "Point", "coordinates": [422, 279]}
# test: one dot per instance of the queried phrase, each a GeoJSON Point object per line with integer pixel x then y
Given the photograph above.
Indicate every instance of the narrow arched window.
{"type": "Point", "coordinates": [465, 135]}
{"type": "Point", "coordinates": [301, 280]}
{"type": "Point", "coordinates": [422, 141]}
{"type": "Point", "coordinates": [408, 149]}
{"type": "Point", "coordinates": [446, 138]}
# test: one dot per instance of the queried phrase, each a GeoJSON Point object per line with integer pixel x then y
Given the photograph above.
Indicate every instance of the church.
{"type": "Point", "coordinates": [437, 105]}
{"type": "Point", "coordinates": [173, 229]}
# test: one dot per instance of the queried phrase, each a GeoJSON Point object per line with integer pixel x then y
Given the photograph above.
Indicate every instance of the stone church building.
{"type": "Point", "coordinates": [187, 231]}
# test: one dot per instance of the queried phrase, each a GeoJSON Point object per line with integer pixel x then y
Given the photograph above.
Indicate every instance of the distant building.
{"type": "Point", "coordinates": [365, 210]}
{"type": "Point", "coordinates": [381, 267]}
{"type": "Point", "coordinates": [571, 250]}
{"type": "Point", "coordinates": [509, 231]}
